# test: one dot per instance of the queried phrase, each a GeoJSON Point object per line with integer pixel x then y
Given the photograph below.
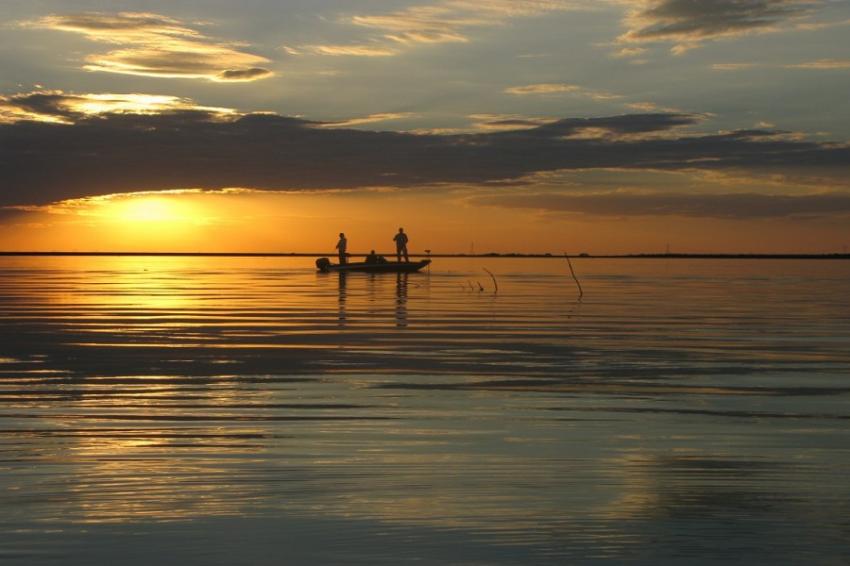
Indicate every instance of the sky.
{"type": "Point", "coordinates": [597, 126]}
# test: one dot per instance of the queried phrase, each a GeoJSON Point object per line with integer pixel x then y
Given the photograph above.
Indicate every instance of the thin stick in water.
{"type": "Point", "coordinates": [580, 291]}
{"type": "Point", "coordinates": [496, 285]}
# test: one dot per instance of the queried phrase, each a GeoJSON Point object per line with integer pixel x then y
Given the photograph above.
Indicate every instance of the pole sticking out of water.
{"type": "Point", "coordinates": [580, 291]}
{"type": "Point", "coordinates": [495, 285]}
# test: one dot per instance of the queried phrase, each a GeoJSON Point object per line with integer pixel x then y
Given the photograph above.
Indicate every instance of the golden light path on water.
{"type": "Point", "coordinates": [211, 408]}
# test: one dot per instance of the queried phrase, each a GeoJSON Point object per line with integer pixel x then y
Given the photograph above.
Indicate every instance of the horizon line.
{"type": "Point", "coordinates": [488, 255]}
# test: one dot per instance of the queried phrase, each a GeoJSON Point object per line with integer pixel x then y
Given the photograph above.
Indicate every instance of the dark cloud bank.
{"type": "Point", "coordinates": [666, 19]}
{"type": "Point", "coordinates": [737, 206]}
{"type": "Point", "coordinates": [43, 162]}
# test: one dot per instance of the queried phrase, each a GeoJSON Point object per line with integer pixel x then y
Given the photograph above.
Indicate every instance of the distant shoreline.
{"type": "Point", "coordinates": [482, 256]}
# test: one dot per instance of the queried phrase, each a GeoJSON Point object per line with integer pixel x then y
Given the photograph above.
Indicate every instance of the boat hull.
{"type": "Point", "coordinates": [388, 267]}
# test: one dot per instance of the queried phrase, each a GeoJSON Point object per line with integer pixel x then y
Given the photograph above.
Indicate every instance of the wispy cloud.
{"type": "Point", "coordinates": [59, 107]}
{"type": "Point", "coordinates": [446, 21]}
{"type": "Point", "coordinates": [542, 88]}
{"type": "Point", "coordinates": [822, 64]}
{"type": "Point", "coordinates": [341, 50]}
{"type": "Point", "coordinates": [651, 107]}
{"type": "Point", "coordinates": [819, 25]}
{"type": "Point", "coordinates": [439, 23]}
{"type": "Point", "coordinates": [16, 109]}
{"type": "Point", "coordinates": [560, 88]}
{"type": "Point", "coordinates": [688, 23]}
{"type": "Point", "coordinates": [157, 46]}
{"type": "Point", "coordinates": [629, 52]}
{"type": "Point", "coordinates": [370, 119]}
{"type": "Point", "coordinates": [600, 95]}
{"type": "Point", "coordinates": [733, 66]}
{"type": "Point", "coordinates": [506, 122]}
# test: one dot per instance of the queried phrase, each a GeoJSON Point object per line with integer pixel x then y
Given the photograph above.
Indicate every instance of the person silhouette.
{"type": "Point", "coordinates": [372, 257]}
{"type": "Point", "coordinates": [342, 245]}
{"type": "Point", "coordinates": [401, 245]}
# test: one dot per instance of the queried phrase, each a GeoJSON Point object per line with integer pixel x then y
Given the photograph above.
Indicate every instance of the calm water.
{"type": "Point", "coordinates": [252, 411]}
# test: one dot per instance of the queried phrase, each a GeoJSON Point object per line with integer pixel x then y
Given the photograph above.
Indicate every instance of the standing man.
{"type": "Point", "coordinates": [341, 245]}
{"type": "Point", "coordinates": [401, 245]}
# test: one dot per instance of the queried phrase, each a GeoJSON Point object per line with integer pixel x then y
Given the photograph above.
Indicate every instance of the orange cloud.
{"type": "Point", "coordinates": [560, 88]}
{"type": "Point", "coordinates": [371, 118]}
{"type": "Point", "coordinates": [447, 21]}
{"type": "Point", "coordinates": [506, 122]}
{"type": "Point", "coordinates": [56, 106]}
{"type": "Point", "coordinates": [157, 46]}
{"type": "Point", "coordinates": [358, 50]}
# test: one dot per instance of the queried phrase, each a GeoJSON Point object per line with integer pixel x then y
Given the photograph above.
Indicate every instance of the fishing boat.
{"type": "Point", "coordinates": [325, 266]}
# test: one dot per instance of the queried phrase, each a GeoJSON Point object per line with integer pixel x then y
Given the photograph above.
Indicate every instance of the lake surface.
{"type": "Point", "coordinates": [190, 410]}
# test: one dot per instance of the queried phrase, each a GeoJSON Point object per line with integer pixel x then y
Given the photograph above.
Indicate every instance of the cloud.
{"type": "Point", "coordinates": [423, 24]}
{"type": "Point", "coordinates": [542, 88]}
{"type": "Point", "coordinates": [629, 52]}
{"type": "Point", "coordinates": [687, 23]}
{"type": "Point", "coordinates": [370, 119]}
{"type": "Point", "coordinates": [560, 88]}
{"type": "Point", "coordinates": [157, 46]}
{"type": "Point", "coordinates": [501, 9]}
{"type": "Point", "coordinates": [243, 75]}
{"type": "Point", "coordinates": [336, 50]}
{"type": "Point", "coordinates": [733, 66]}
{"type": "Point", "coordinates": [65, 108]}
{"type": "Point", "coordinates": [505, 122]}
{"type": "Point", "coordinates": [822, 64]}
{"type": "Point", "coordinates": [738, 206]}
{"type": "Point", "coordinates": [117, 152]}
{"type": "Point", "coordinates": [817, 26]}
{"type": "Point", "coordinates": [446, 21]}
{"type": "Point", "coordinates": [645, 106]}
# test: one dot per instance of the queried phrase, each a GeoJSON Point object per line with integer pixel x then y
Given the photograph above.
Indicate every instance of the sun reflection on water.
{"type": "Point", "coordinates": [149, 389]}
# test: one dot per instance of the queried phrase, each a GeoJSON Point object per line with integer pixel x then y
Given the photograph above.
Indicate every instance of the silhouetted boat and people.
{"type": "Point", "coordinates": [373, 262]}
{"type": "Point", "coordinates": [401, 245]}
{"type": "Point", "coordinates": [342, 246]}
{"type": "Point", "coordinates": [375, 258]}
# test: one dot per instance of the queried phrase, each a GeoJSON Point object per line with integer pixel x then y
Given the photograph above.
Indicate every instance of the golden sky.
{"type": "Point", "coordinates": [614, 126]}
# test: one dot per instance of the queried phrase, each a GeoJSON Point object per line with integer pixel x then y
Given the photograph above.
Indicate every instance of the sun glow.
{"type": "Point", "coordinates": [149, 209]}
{"type": "Point", "coordinates": [135, 104]}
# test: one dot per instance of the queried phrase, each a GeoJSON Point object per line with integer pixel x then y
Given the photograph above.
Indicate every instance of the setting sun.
{"type": "Point", "coordinates": [149, 209]}
{"type": "Point", "coordinates": [424, 281]}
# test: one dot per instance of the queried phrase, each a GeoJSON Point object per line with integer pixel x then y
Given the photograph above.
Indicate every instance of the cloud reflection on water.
{"type": "Point", "coordinates": [140, 390]}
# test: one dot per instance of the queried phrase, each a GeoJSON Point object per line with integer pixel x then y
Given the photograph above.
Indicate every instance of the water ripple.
{"type": "Point", "coordinates": [681, 411]}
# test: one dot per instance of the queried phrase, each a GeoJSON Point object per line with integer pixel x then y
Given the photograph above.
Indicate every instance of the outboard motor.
{"type": "Point", "coordinates": [323, 263]}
